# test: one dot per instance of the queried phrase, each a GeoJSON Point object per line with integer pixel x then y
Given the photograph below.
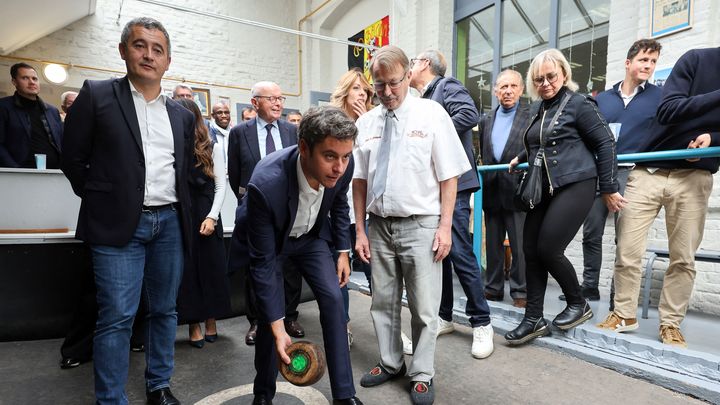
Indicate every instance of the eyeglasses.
{"type": "Point", "coordinates": [395, 84]}
{"type": "Point", "coordinates": [550, 77]}
{"type": "Point", "coordinates": [413, 61]}
{"type": "Point", "coordinates": [273, 99]}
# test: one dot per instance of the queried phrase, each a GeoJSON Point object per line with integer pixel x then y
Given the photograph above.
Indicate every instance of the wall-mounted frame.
{"type": "Point", "coordinates": [202, 98]}
{"type": "Point", "coordinates": [670, 16]}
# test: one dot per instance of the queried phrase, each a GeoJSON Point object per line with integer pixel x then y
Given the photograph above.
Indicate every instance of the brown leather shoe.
{"type": "Point", "coordinates": [251, 335]}
{"type": "Point", "coordinates": [519, 302]}
{"type": "Point", "coordinates": [294, 329]}
{"type": "Point", "coordinates": [493, 297]}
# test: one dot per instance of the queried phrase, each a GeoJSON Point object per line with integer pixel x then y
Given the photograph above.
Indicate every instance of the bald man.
{"type": "Point", "coordinates": [219, 127]}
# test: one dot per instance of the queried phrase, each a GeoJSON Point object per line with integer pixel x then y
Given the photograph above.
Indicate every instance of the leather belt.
{"type": "Point", "coordinates": [157, 207]}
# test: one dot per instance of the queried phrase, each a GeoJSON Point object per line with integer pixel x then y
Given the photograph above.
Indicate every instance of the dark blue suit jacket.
{"type": "Point", "coordinates": [244, 151]}
{"type": "Point", "coordinates": [456, 100]}
{"type": "Point", "coordinates": [265, 217]}
{"type": "Point", "coordinates": [15, 130]}
{"type": "Point", "coordinates": [103, 159]}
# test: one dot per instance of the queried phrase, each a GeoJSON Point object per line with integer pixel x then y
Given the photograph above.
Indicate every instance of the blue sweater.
{"type": "Point", "coordinates": [637, 119]}
{"type": "Point", "coordinates": [690, 106]}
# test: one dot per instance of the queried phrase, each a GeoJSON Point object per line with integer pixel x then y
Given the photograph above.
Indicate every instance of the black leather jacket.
{"type": "Point", "coordinates": [580, 146]}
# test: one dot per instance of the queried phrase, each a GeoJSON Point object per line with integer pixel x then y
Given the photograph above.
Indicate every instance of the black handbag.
{"type": "Point", "coordinates": [528, 193]}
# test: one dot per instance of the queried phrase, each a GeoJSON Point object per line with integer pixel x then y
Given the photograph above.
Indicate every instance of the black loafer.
{"type": "Point", "coordinates": [251, 335]}
{"type": "Point", "coordinates": [378, 375]}
{"type": "Point", "coordinates": [261, 400]}
{"type": "Point", "coordinates": [572, 316]}
{"type": "Point", "coordinates": [347, 401]}
{"type": "Point", "coordinates": [294, 329]}
{"type": "Point", "coordinates": [69, 362]}
{"type": "Point", "coordinates": [529, 329]}
{"type": "Point", "coordinates": [163, 396]}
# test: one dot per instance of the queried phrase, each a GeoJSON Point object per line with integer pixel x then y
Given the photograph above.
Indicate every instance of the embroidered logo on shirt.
{"type": "Point", "coordinates": [416, 134]}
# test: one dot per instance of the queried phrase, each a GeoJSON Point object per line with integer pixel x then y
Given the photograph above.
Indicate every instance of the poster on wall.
{"type": "Point", "coordinates": [376, 34]}
{"type": "Point", "coordinates": [669, 16]}
{"type": "Point", "coordinates": [661, 75]}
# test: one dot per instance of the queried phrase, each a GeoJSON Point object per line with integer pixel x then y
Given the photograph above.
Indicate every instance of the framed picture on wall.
{"type": "Point", "coordinates": [202, 98]}
{"type": "Point", "coordinates": [224, 100]}
{"type": "Point", "coordinates": [670, 16]}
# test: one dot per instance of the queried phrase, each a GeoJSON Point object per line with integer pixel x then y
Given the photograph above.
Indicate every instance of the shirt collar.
{"type": "Point", "coordinates": [638, 89]}
{"type": "Point", "coordinates": [161, 97]}
{"type": "Point", "coordinates": [303, 184]}
{"type": "Point", "coordinates": [264, 123]}
{"type": "Point", "coordinates": [404, 108]}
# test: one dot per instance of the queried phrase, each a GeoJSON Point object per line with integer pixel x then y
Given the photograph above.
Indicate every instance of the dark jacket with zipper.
{"type": "Point", "coordinates": [580, 145]}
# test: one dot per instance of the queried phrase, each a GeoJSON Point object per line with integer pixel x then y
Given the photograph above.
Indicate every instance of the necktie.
{"type": "Point", "coordinates": [269, 141]}
{"type": "Point", "coordinates": [383, 159]}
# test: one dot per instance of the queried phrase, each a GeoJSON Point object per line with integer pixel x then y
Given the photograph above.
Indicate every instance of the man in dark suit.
{"type": "Point", "coordinates": [428, 71]}
{"type": "Point", "coordinates": [27, 124]}
{"type": "Point", "coordinates": [249, 142]}
{"type": "Point", "coordinates": [295, 209]}
{"type": "Point", "coordinates": [127, 151]}
{"type": "Point", "coordinates": [501, 134]}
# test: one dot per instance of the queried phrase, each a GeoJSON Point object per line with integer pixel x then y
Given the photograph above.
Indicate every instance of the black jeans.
{"type": "Point", "coordinates": [548, 230]}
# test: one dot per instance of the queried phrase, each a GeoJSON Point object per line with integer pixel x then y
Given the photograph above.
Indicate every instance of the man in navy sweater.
{"type": "Point", "coordinates": [629, 107]}
{"type": "Point", "coordinates": [689, 114]}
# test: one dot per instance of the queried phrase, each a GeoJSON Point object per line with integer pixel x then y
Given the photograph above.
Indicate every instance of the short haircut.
{"type": "Point", "coordinates": [294, 113]}
{"type": "Point", "coordinates": [255, 91]}
{"type": "Point", "coordinates": [556, 57]}
{"type": "Point", "coordinates": [389, 56]}
{"type": "Point", "coordinates": [242, 112]}
{"type": "Point", "coordinates": [647, 45]}
{"type": "Point", "coordinates": [147, 23]}
{"type": "Point", "coordinates": [438, 64]}
{"type": "Point", "coordinates": [321, 122]}
{"type": "Point", "coordinates": [181, 86]}
{"type": "Point", "coordinates": [65, 95]}
{"type": "Point", "coordinates": [14, 69]}
{"type": "Point", "coordinates": [509, 72]}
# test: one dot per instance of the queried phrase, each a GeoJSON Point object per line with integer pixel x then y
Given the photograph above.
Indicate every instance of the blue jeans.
{"type": "Point", "coordinates": [463, 260]}
{"type": "Point", "coordinates": [151, 264]}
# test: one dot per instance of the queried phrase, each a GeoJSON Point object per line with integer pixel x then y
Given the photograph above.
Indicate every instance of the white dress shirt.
{"type": "Point", "coordinates": [220, 182]}
{"type": "Point", "coordinates": [309, 201]}
{"type": "Point", "coordinates": [158, 147]}
{"type": "Point", "coordinates": [262, 135]}
{"type": "Point", "coordinates": [425, 150]}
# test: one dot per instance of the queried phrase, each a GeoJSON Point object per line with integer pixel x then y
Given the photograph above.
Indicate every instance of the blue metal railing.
{"type": "Point", "coordinates": [627, 158]}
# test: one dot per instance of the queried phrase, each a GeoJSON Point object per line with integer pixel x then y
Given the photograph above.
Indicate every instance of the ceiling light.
{"type": "Point", "coordinates": [54, 73]}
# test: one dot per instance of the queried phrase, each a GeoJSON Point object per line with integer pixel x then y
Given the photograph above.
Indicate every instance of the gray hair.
{"type": "Point", "coordinates": [556, 57]}
{"type": "Point", "coordinates": [321, 122]}
{"type": "Point", "coordinates": [509, 72]}
{"type": "Point", "coordinates": [389, 56]}
{"type": "Point", "coordinates": [66, 94]}
{"type": "Point", "coordinates": [438, 64]}
{"type": "Point", "coordinates": [255, 91]}
{"type": "Point", "coordinates": [181, 86]}
{"type": "Point", "coordinates": [147, 23]}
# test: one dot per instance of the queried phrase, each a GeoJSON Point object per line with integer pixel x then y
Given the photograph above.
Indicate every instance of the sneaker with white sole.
{"type": "Point", "coordinates": [407, 344]}
{"type": "Point", "coordinates": [482, 345]}
{"type": "Point", "coordinates": [618, 324]}
{"type": "Point", "coordinates": [445, 327]}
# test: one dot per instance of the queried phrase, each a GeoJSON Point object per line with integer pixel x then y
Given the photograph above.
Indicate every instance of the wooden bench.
{"type": "Point", "coordinates": [709, 256]}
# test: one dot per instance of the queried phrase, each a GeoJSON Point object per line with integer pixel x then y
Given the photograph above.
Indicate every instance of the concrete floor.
{"type": "Point", "coordinates": [222, 373]}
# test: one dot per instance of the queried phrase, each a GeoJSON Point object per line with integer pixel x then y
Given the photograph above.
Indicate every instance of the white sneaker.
{"type": "Point", "coordinates": [445, 327]}
{"type": "Point", "coordinates": [407, 344]}
{"type": "Point", "coordinates": [482, 345]}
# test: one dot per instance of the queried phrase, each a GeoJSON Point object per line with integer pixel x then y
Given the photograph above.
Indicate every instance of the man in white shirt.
{"type": "Point", "coordinates": [127, 149]}
{"type": "Point", "coordinates": [407, 162]}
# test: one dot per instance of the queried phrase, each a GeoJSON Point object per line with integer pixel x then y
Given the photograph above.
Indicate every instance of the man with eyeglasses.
{"type": "Point", "coordinates": [249, 142]}
{"type": "Point", "coordinates": [407, 162]}
{"type": "Point", "coordinates": [219, 127]}
{"type": "Point", "coordinates": [428, 78]}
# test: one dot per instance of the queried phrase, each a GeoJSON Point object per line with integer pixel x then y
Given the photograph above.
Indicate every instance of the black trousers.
{"type": "Point", "coordinates": [548, 230]}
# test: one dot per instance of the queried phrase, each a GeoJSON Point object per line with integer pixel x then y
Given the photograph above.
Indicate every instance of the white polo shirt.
{"type": "Point", "coordinates": [425, 150]}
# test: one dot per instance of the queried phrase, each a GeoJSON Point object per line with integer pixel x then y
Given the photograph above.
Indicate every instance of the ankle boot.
{"type": "Point", "coordinates": [529, 329]}
{"type": "Point", "coordinates": [573, 315]}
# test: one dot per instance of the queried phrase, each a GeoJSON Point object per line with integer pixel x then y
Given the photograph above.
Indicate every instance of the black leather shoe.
{"type": "Point", "coordinates": [572, 316]}
{"type": "Point", "coordinates": [69, 362]}
{"type": "Point", "coordinates": [261, 400]}
{"type": "Point", "coordinates": [294, 329]}
{"type": "Point", "coordinates": [137, 347]}
{"type": "Point", "coordinates": [529, 329]}
{"type": "Point", "coordinates": [197, 343]}
{"type": "Point", "coordinates": [591, 294]}
{"type": "Point", "coordinates": [347, 401]}
{"type": "Point", "coordinates": [211, 338]}
{"type": "Point", "coordinates": [163, 396]}
{"type": "Point", "coordinates": [493, 297]}
{"type": "Point", "coordinates": [251, 335]}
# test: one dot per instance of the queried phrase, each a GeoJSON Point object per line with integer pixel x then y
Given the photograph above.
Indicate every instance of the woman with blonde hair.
{"type": "Point", "coordinates": [353, 94]}
{"type": "Point", "coordinates": [571, 145]}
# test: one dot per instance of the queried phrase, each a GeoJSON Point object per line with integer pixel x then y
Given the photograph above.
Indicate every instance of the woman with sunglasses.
{"type": "Point", "coordinates": [579, 156]}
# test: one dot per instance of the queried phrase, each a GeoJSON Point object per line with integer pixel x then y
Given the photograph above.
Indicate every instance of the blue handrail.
{"type": "Point", "coordinates": [713, 151]}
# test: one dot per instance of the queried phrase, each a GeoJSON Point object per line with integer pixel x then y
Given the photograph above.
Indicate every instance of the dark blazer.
{"type": "Point", "coordinates": [265, 216]}
{"type": "Point", "coordinates": [15, 130]}
{"type": "Point", "coordinates": [244, 151]}
{"type": "Point", "coordinates": [499, 186]}
{"type": "Point", "coordinates": [104, 161]}
{"type": "Point", "coordinates": [456, 100]}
